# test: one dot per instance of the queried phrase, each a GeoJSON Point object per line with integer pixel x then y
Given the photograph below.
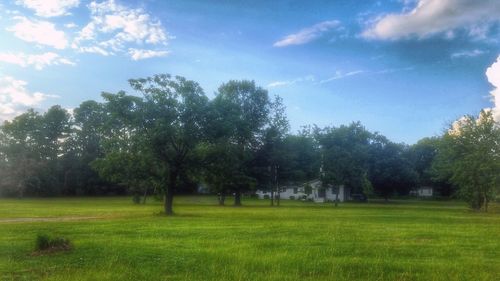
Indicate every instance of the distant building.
{"type": "Point", "coordinates": [423, 191]}
{"type": "Point", "coordinates": [319, 193]}
{"type": "Point", "coordinates": [202, 189]}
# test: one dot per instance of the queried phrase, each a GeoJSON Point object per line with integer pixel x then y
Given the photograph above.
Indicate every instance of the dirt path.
{"type": "Point", "coordinates": [53, 219]}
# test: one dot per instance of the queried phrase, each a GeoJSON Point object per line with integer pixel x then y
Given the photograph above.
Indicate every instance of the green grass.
{"type": "Point", "coordinates": [116, 240]}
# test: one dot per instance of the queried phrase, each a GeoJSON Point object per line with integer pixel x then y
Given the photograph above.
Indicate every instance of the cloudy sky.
{"type": "Point", "coordinates": [405, 68]}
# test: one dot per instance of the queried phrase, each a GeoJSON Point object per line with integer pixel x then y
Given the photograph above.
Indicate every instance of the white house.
{"type": "Point", "coordinates": [423, 191]}
{"type": "Point", "coordinates": [319, 193]}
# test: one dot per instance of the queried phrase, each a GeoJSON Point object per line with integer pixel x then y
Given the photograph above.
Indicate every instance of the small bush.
{"type": "Point", "coordinates": [46, 243]}
{"type": "Point", "coordinates": [266, 196]}
{"type": "Point", "coordinates": [292, 197]}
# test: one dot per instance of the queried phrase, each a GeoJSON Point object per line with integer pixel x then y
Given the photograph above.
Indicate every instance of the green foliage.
{"type": "Point", "coordinates": [31, 146]}
{"type": "Point", "coordinates": [301, 158]}
{"type": "Point", "coordinates": [171, 119]}
{"type": "Point", "coordinates": [365, 162]}
{"type": "Point", "coordinates": [239, 114]}
{"type": "Point", "coordinates": [172, 137]}
{"type": "Point", "coordinates": [367, 187]}
{"type": "Point", "coordinates": [344, 153]}
{"type": "Point", "coordinates": [45, 242]}
{"type": "Point", "coordinates": [390, 171]}
{"type": "Point", "coordinates": [423, 156]}
{"type": "Point", "coordinates": [470, 156]}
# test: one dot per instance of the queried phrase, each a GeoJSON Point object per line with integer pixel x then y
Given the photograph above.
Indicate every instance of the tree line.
{"type": "Point", "coordinates": [168, 137]}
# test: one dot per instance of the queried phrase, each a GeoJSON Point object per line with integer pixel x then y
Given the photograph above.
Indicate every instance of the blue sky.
{"type": "Point", "coordinates": [404, 68]}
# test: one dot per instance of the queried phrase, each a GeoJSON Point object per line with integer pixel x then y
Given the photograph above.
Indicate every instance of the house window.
{"type": "Point", "coordinates": [295, 190]}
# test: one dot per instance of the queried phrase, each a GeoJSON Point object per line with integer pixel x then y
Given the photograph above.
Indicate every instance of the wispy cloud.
{"type": "Point", "coordinates": [341, 75]}
{"type": "Point", "coordinates": [140, 54]}
{"type": "Point", "coordinates": [308, 34]}
{"type": "Point", "coordinates": [39, 61]}
{"type": "Point", "coordinates": [393, 70]}
{"type": "Point", "coordinates": [337, 76]}
{"type": "Point", "coordinates": [284, 83]}
{"type": "Point", "coordinates": [467, 54]}
{"type": "Point", "coordinates": [70, 25]}
{"type": "Point", "coordinates": [431, 17]}
{"type": "Point", "coordinates": [40, 32]}
{"type": "Point", "coordinates": [49, 8]}
{"type": "Point", "coordinates": [15, 98]}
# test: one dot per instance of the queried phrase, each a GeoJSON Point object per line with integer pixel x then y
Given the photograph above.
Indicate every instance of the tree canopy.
{"type": "Point", "coordinates": [167, 136]}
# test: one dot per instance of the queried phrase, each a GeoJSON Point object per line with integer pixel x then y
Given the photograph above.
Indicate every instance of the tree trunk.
{"type": "Point", "coordinates": [145, 195]}
{"type": "Point", "coordinates": [485, 203]}
{"type": "Point", "coordinates": [21, 191]}
{"type": "Point", "coordinates": [237, 198]}
{"type": "Point", "coordinates": [65, 181]}
{"type": "Point", "coordinates": [272, 197]}
{"type": "Point", "coordinates": [222, 199]}
{"type": "Point", "coordinates": [169, 196]}
{"type": "Point", "coordinates": [278, 198]}
{"type": "Point", "coordinates": [337, 197]}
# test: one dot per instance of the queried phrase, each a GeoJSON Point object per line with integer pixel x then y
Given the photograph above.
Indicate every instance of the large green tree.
{"type": "Point", "coordinates": [344, 152]}
{"type": "Point", "coordinates": [21, 139]}
{"type": "Point", "coordinates": [470, 153]}
{"type": "Point", "coordinates": [390, 170]}
{"type": "Point", "coordinates": [169, 118]}
{"type": "Point", "coordinates": [423, 155]}
{"type": "Point", "coordinates": [32, 148]}
{"type": "Point", "coordinates": [272, 156]}
{"type": "Point", "coordinates": [241, 113]}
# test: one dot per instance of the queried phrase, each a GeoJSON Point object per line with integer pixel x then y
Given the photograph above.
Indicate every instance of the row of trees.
{"type": "Point", "coordinates": [171, 138]}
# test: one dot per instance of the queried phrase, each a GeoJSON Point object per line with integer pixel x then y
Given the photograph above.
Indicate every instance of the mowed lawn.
{"type": "Point", "coordinates": [117, 240]}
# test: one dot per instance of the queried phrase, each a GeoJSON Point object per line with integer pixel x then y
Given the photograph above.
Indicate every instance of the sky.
{"type": "Point", "coordinates": [404, 68]}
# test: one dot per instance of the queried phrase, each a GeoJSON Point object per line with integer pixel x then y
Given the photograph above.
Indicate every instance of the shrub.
{"type": "Point", "coordinates": [42, 242]}
{"type": "Point", "coordinates": [266, 196]}
{"type": "Point", "coordinates": [292, 197]}
{"type": "Point", "coordinates": [45, 242]}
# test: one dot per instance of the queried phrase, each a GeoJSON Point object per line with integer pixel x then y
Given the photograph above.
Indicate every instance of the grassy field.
{"type": "Point", "coordinates": [116, 240]}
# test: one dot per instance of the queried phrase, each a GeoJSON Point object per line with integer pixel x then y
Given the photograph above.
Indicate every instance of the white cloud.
{"type": "Point", "coordinates": [139, 54]}
{"type": "Point", "coordinates": [431, 17]}
{"type": "Point", "coordinates": [114, 27]}
{"type": "Point", "coordinates": [93, 50]}
{"type": "Point", "coordinates": [340, 75]}
{"type": "Point", "coordinates": [393, 70]}
{"type": "Point", "coordinates": [70, 25]}
{"type": "Point", "coordinates": [308, 34]}
{"type": "Point", "coordinates": [49, 8]}
{"type": "Point", "coordinates": [467, 54]}
{"type": "Point", "coordinates": [38, 61]}
{"type": "Point", "coordinates": [284, 83]}
{"type": "Point", "coordinates": [493, 75]}
{"type": "Point", "coordinates": [40, 32]}
{"type": "Point", "coordinates": [15, 98]}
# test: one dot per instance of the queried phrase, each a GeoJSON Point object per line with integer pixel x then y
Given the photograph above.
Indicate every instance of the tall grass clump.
{"type": "Point", "coordinates": [47, 243]}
